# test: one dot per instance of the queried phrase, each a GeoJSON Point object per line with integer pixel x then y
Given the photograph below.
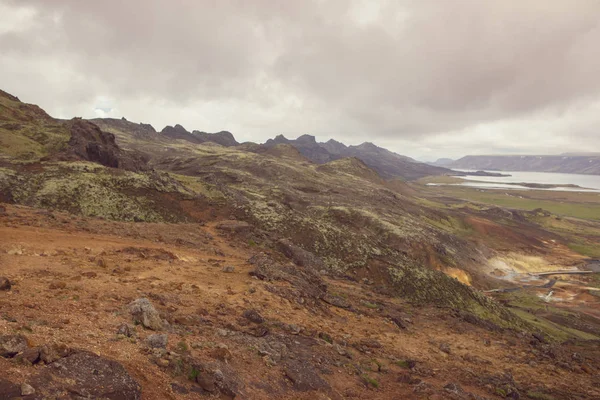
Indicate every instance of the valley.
{"type": "Point", "coordinates": [269, 274]}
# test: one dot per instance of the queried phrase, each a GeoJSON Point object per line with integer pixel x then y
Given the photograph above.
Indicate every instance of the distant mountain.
{"type": "Point", "coordinates": [223, 138]}
{"type": "Point", "coordinates": [387, 163]}
{"type": "Point", "coordinates": [565, 163]}
{"type": "Point", "coordinates": [442, 162]}
{"type": "Point", "coordinates": [125, 130]}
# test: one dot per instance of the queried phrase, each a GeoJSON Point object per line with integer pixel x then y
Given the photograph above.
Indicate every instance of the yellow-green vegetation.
{"type": "Point", "coordinates": [556, 331]}
{"type": "Point", "coordinates": [529, 307]}
{"type": "Point", "coordinates": [442, 179]}
{"type": "Point", "coordinates": [370, 381]}
{"type": "Point", "coordinates": [27, 133]}
{"type": "Point", "coordinates": [93, 190]}
{"type": "Point", "coordinates": [579, 205]}
{"type": "Point", "coordinates": [426, 286]}
{"type": "Point", "coordinates": [586, 249]}
{"type": "Point", "coordinates": [539, 396]}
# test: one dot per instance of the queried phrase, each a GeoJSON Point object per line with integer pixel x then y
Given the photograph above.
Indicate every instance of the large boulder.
{"type": "Point", "coordinates": [11, 345]}
{"type": "Point", "coordinates": [85, 375]}
{"type": "Point", "coordinates": [144, 313]}
{"type": "Point", "coordinates": [299, 256]}
{"type": "Point", "coordinates": [88, 142]}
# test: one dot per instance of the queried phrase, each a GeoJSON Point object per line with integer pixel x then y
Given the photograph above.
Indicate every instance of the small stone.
{"type": "Point", "coordinates": [161, 362]}
{"type": "Point", "coordinates": [206, 382]}
{"type": "Point", "coordinates": [11, 345]}
{"type": "Point", "coordinates": [4, 283]}
{"type": "Point", "coordinates": [126, 330]}
{"type": "Point", "coordinates": [29, 356]}
{"type": "Point", "coordinates": [57, 285]}
{"type": "Point", "coordinates": [27, 389]}
{"type": "Point", "coordinates": [445, 347]}
{"type": "Point", "coordinates": [228, 269]}
{"type": "Point", "coordinates": [222, 332]}
{"type": "Point", "coordinates": [157, 341]}
{"type": "Point", "coordinates": [453, 388]}
{"type": "Point", "coordinates": [222, 354]}
{"type": "Point", "coordinates": [253, 316]}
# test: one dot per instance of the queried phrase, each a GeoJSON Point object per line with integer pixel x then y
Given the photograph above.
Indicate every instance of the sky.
{"type": "Point", "coordinates": [424, 78]}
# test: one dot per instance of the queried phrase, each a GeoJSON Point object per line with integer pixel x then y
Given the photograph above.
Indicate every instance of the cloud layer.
{"type": "Point", "coordinates": [425, 78]}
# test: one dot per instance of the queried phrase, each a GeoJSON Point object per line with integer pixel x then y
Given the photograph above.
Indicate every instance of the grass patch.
{"type": "Point", "coordinates": [370, 381]}
{"type": "Point", "coordinates": [578, 205]}
{"type": "Point", "coordinates": [585, 249]}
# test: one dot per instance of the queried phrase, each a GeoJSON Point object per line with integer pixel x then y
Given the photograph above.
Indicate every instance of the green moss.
{"type": "Point", "coordinates": [370, 381]}
{"type": "Point", "coordinates": [402, 364]}
{"type": "Point", "coordinates": [539, 396]}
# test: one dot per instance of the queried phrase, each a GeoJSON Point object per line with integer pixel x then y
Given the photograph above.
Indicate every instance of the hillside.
{"type": "Point", "coordinates": [142, 265]}
{"type": "Point", "coordinates": [564, 163]}
{"type": "Point", "coordinates": [387, 164]}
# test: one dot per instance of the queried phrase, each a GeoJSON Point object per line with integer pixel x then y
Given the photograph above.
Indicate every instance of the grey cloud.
{"type": "Point", "coordinates": [404, 73]}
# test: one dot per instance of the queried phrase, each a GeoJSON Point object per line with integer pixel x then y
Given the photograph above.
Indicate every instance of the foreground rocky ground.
{"type": "Point", "coordinates": [99, 309]}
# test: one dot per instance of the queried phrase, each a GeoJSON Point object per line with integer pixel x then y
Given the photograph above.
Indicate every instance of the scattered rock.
{"type": "Point", "coordinates": [221, 353]}
{"type": "Point", "coordinates": [9, 390]}
{"type": "Point", "coordinates": [86, 375]}
{"type": "Point", "coordinates": [299, 256]}
{"type": "Point", "coordinates": [144, 313]}
{"type": "Point", "coordinates": [445, 347]}
{"type": "Point", "coordinates": [233, 226]}
{"type": "Point", "coordinates": [29, 356]}
{"type": "Point", "coordinates": [11, 345]}
{"type": "Point", "coordinates": [179, 389]}
{"type": "Point", "coordinates": [540, 337]}
{"type": "Point", "coordinates": [253, 316]}
{"type": "Point", "coordinates": [453, 388]}
{"type": "Point", "coordinates": [304, 376]}
{"type": "Point", "coordinates": [27, 389]}
{"type": "Point", "coordinates": [126, 330]}
{"type": "Point", "coordinates": [53, 352]}
{"type": "Point", "coordinates": [157, 341]}
{"type": "Point", "coordinates": [407, 378]}
{"type": "Point", "coordinates": [336, 301]}
{"type": "Point", "coordinates": [4, 283]}
{"type": "Point", "coordinates": [206, 382]}
{"type": "Point", "coordinates": [89, 274]}
{"type": "Point", "coordinates": [367, 344]}
{"type": "Point", "coordinates": [228, 269]}
{"type": "Point", "coordinates": [398, 321]}
{"type": "Point", "coordinates": [57, 285]}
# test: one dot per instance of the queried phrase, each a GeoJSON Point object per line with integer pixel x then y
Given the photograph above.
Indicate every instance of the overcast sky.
{"type": "Point", "coordinates": [427, 79]}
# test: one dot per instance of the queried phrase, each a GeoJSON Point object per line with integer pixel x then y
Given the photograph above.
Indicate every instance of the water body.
{"type": "Point", "coordinates": [588, 183]}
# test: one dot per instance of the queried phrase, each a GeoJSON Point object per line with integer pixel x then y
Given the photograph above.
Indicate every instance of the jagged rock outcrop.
{"type": "Point", "coordinates": [224, 138]}
{"type": "Point", "coordinates": [387, 163]}
{"type": "Point", "coordinates": [88, 142]}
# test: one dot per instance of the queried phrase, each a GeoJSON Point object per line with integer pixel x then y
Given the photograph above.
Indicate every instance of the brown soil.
{"type": "Point", "coordinates": [103, 266]}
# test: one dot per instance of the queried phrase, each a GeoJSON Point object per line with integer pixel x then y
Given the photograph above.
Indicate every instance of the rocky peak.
{"type": "Point", "coordinates": [334, 147]}
{"type": "Point", "coordinates": [279, 139]}
{"type": "Point", "coordinates": [224, 138]}
{"type": "Point", "coordinates": [9, 96]}
{"type": "Point", "coordinates": [306, 139]}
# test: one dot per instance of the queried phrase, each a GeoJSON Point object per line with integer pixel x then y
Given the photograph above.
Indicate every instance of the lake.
{"type": "Point", "coordinates": [588, 183]}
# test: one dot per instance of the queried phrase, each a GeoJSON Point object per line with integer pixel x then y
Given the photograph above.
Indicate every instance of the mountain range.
{"type": "Point", "coordinates": [572, 163]}
{"type": "Point", "coordinates": [138, 264]}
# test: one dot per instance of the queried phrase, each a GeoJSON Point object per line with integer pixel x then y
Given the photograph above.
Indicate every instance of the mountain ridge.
{"type": "Point", "coordinates": [563, 163]}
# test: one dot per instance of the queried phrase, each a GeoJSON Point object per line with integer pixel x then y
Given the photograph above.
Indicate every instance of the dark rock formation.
{"type": "Point", "coordinates": [88, 142]}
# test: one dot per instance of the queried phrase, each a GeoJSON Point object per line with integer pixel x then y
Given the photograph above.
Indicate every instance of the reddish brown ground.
{"type": "Point", "coordinates": [174, 266]}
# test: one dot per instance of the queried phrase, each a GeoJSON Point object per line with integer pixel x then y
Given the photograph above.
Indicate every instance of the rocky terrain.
{"type": "Point", "coordinates": [565, 163]}
{"type": "Point", "coordinates": [386, 163]}
{"type": "Point", "coordinates": [143, 264]}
